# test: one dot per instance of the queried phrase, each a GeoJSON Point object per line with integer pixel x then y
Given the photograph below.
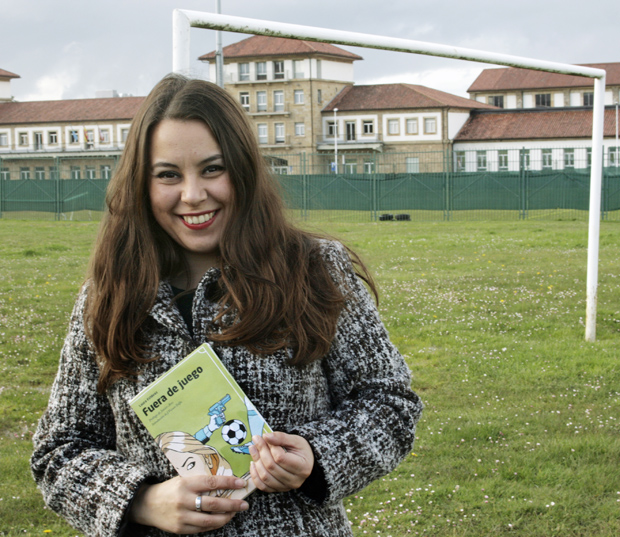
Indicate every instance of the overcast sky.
{"type": "Point", "coordinates": [65, 49]}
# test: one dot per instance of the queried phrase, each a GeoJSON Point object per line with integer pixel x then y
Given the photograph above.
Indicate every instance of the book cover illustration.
{"type": "Point", "coordinates": [201, 419]}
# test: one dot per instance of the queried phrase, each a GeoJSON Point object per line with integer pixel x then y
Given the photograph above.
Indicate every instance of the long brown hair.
{"type": "Point", "coordinates": [275, 289]}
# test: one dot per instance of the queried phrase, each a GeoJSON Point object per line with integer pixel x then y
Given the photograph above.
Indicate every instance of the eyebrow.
{"type": "Point", "coordinates": [186, 461]}
{"type": "Point", "coordinates": [162, 164]}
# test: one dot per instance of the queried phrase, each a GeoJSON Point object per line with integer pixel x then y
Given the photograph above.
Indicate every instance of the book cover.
{"type": "Point", "coordinates": [201, 419]}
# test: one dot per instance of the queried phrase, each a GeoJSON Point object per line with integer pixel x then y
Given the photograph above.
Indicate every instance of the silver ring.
{"type": "Point", "coordinates": [199, 502]}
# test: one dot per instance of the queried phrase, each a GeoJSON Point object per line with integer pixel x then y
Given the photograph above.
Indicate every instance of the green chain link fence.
{"type": "Point", "coordinates": [501, 184]}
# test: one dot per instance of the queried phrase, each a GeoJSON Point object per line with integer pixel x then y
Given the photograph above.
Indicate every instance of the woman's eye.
{"type": "Point", "coordinates": [213, 169]}
{"type": "Point", "coordinates": [167, 175]}
{"type": "Point", "coordinates": [191, 465]}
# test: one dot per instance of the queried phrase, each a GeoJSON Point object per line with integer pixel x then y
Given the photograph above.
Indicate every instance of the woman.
{"type": "Point", "coordinates": [195, 247]}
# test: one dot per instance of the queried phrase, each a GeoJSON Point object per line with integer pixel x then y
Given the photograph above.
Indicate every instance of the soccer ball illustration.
{"type": "Point", "coordinates": [234, 432]}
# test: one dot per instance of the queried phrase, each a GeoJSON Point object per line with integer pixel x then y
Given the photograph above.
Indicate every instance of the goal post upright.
{"type": "Point", "coordinates": [183, 20]}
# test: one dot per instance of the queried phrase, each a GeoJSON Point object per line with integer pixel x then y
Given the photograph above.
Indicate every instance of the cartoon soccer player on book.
{"type": "Point", "coordinates": [256, 423]}
{"type": "Point", "coordinates": [218, 418]}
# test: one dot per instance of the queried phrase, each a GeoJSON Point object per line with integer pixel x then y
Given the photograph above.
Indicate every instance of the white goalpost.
{"type": "Point", "coordinates": [183, 20]}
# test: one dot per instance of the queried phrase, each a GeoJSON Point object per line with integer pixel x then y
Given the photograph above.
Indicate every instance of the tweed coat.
{"type": "Point", "coordinates": [355, 407]}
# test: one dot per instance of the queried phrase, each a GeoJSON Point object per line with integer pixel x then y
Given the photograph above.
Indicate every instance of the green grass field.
{"type": "Point", "coordinates": [521, 431]}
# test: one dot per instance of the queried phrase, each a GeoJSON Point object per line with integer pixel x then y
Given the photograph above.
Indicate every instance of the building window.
{"type": "Point", "coordinates": [331, 129]}
{"type": "Point", "coordinates": [104, 136]}
{"type": "Point", "coordinates": [124, 135]}
{"type": "Point", "coordinates": [569, 158]}
{"type": "Point", "coordinates": [4, 139]}
{"type": "Point", "coordinates": [39, 173]}
{"type": "Point", "coordinates": [613, 154]}
{"type": "Point", "coordinates": [412, 164]}
{"type": "Point", "coordinates": [588, 98]}
{"type": "Point", "coordinates": [299, 96]}
{"type": "Point", "coordinates": [543, 100]}
{"type": "Point", "coordinates": [244, 72]}
{"type": "Point", "coordinates": [76, 172]}
{"type": "Point", "coordinates": [74, 136]}
{"type": "Point", "coordinates": [502, 159]}
{"type": "Point", "coordinates": [5, 174]}
{"type": "Point", "coordinates": [38, 141]}
{"type": "Point", "coordinates": [90, 139]}
{"type": "Point", "coordinates": [481, 161]}
{"type": "Point", "coordinates": [393, 126]}
{"type": "Point", "coordinates": [244, 98]}
{"type": "Point", "coordinates": [261, 71]}
{"type": "Point", "coordinates": [350, 166]}
{"type": "Point", "coordinates": [278, 70]}
{"type": "Point", "coordinates": [369, 166]}
{"type": "Point", "coordinates": [261, 101]}
{"type": "Point", "coordinates": [412, 126]}
{"type": "Point", "coordinates": [23, 138]}
{"type": "Point", "coordinates": [298, 68]}
{"type": "Point", "coordinates": [90, 172]}
{"type": "Point", "coordinates": [106, 171]}
{"type": "Point", "coordinates": [547, 158]}
{"type": "Point", "coordinates": [319, 96]}
{"type": "Point", "coordinates": [496, 100]}
{"type": "Point", "coordinates": [52, 138]}
{"type": "Point", "coordinates": [300, 129]}
{"type": "Point", "coordinates": [525, 159]}
{"type": "Point", "coordinates": [589, 156]}
{"type": "Point", "coordinates": [430, 125]}
{"type": "Point", "coordinates": [368, 127]}
{"type": "Point", "coordinates": [24, 173]}
{"type": "Point", "coordinates": [279, 133]}
{"type": "Point", "coordinates": [54, 172]}
{"type": "Point", "coordinates": [350, 128]}
{"type": "Point", "coordinates": [459, 160]}
{"type": "Point", "coordinates": [262, 133]}
{"type": "Point", "coordinates": [278, 101]}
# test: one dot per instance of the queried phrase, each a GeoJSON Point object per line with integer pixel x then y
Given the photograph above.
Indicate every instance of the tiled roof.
{"type": "Point", "coordinates": [514, 78]}
{"type": "Point", "coordinates": [398, 96]}
{"type": "Point", "coordinates": [266, 46]}
{"type": "Point", "coordinates": [533, 124]}
{"type": "Point", "coordinates": [8, 74]}
{"type": "Point", "coordinates": [69, 110]}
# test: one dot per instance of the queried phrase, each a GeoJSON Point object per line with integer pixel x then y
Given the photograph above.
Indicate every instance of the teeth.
{"type": "Point", "coordinates": [201, 219]}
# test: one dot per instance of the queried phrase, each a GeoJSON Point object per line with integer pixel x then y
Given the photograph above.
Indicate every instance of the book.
{"type": "Point", "coordinates": [202, 420]}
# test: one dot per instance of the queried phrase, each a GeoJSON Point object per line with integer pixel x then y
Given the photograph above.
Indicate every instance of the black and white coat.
{"type": "Point", "coordinates": [355, 407]}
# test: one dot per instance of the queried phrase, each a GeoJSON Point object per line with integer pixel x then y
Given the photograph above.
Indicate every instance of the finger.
{"type": "Point", "coordinates": [258, 482]}
{"type": "Point", "coordinates": [291, 452]}
{"type": "Point", "coordinates": [267, 469]}
{"type": "Point", "coordinates": [215, 504]}
{"type": "Point", "coordinates": [205, 483]}
{"type": "Point", "coordinates": [199, 522]}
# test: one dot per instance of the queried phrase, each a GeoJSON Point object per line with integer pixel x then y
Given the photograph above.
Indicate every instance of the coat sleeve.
{"type": "Point", "coordinates": [371, 426]}
{"type": "Point", "coordinates": [75, 462]}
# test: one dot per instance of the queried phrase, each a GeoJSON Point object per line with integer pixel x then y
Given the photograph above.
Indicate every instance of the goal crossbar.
{"type": "Point", "coordinates": [183, 20]}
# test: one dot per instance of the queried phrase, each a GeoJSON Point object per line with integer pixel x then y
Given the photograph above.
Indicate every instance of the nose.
{"type": "Point", "coordinates": [194, 191]}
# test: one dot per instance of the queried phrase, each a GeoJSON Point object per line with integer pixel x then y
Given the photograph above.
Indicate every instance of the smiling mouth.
{"type": "Point", "coordinates": [198, 221]}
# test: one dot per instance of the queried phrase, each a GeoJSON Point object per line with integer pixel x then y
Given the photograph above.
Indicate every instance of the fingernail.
{"type": "Point", "coordinates": [252, 451]}
{"type": "Point", "coordinates": [245, 506]}
{"type": "Point", "coordinates": [240, 483]}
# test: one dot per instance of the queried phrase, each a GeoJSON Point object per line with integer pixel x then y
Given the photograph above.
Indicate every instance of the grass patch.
{"type": "Point", "coordinates": [521, 432]}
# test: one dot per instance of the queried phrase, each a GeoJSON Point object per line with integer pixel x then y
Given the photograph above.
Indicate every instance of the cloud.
{"type": "Point", "coordinates": [453, 80]}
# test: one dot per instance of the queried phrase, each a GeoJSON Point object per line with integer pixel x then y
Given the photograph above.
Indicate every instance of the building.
{"type": "Point", "coordinates": [533, 139]}
{"type": "Point", "coordinates": [77, 139]}
{"type": "Point", "coordinates": [525, 88]}
{"type": "Point", "coordinates": [5, 85]}
{"type": "Point", "coordinates": [284, 84]}
{"type": "Point", "coordinates": [393, 118]}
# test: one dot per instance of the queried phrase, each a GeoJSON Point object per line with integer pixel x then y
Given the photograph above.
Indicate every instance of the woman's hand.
{"type": "Point", "coordinates": [281, 461]}
{"type": "Point", "coordinates": [171, 505]}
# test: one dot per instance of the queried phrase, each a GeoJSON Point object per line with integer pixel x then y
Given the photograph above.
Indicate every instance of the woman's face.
{"type": "Point", "coordinates": [189, 189]}
{"type": "Point", "coordinates": [188, 464]}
